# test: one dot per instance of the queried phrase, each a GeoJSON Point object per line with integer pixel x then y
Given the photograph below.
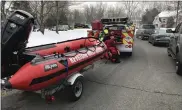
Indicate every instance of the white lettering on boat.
{"type": "Point", "coordinates": [50, 66]}
{"type": "Point", "coordinates": [80, 57]}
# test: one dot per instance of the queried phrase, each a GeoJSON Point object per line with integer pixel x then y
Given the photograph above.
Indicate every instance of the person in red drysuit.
{"type": "Point", "coordinates": [111, 45]}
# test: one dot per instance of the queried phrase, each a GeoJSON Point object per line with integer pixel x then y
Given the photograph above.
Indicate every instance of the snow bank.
{"type": "Point", "coordinates": [37, 38]}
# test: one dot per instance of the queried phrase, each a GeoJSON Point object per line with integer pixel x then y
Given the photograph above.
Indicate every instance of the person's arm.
{"type": "Point", "coordinates": [113, 42]}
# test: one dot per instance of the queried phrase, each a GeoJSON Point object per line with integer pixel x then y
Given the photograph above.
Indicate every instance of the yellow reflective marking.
{"type": "Point", "coordinates": [124, 42]}
{"type": "Point", "coordinates": [125, 34]}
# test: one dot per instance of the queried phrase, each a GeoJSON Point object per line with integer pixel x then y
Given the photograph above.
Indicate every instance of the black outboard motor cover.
{"type": "Point", "coordinates": [15, 34]}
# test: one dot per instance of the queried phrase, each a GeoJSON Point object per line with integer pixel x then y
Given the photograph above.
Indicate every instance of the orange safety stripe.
{"type": "Point", "coordinates": [124, 34]}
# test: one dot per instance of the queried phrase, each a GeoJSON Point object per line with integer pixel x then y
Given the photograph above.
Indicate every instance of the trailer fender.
{"type": "Point", "coordinates": [73, 78]}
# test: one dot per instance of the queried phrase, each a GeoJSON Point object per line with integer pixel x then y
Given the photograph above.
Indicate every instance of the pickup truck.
{"type": "Point", "coordinates": [145, 31]}
{"type": "Point", "coordinates": [175, 47]}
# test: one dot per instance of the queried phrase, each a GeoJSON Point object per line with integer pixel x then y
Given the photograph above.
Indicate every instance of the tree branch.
{"type": "Point", "coordinates": [48, 11]}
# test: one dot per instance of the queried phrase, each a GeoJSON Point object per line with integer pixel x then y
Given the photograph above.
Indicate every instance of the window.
{"type": "Point", "coordinates": [113, 28]}
{"type": "Point", "coordinates": [116, 27]}
{"type": "Point", "coordinates": [148, 27]}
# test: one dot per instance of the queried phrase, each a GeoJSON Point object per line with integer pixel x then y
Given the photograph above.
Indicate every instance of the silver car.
{"type": "Point", "coordinates": [160, 36]}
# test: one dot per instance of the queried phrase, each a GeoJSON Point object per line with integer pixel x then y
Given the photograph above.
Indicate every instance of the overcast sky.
{"type": "Point", "coordinates": [82, 4]}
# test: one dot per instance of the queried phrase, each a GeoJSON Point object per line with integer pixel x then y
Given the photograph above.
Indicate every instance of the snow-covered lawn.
{"type": "Point", "coordinates": [37, 38]}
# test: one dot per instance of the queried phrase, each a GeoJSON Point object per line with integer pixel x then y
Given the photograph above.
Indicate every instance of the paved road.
{"type": "Point", "coordinates": [145, 81]}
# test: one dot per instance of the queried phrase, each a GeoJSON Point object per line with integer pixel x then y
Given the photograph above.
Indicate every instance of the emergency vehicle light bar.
{"type": "Point", "coordinates": [114, 20]}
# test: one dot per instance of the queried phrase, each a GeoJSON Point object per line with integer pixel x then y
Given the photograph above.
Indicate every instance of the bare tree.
{"type": "Point", "coordinates": [87, 14]}
{"type": "Point", "coordinates": [42, 10]}
{"type": "Point", "coordinates": [100, 9]}
{"type": "Point", "coordinates": [117, 11]}
{"type": "Point", "coordinates": [78, 16]}
{"type": "Point", "coordinates": [57, 17]}
{"type": "Point", "coordinates": [130, 7]}
{"type": "Point", "coordinates": [4, 11]}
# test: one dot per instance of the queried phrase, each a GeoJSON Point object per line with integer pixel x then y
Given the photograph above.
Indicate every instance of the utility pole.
{"type": "Point", "coordinates": [177, 13]}
{"type": "Point", "coordinates": [57, 17]}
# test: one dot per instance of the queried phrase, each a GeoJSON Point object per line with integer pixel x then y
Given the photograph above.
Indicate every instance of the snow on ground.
{"type": "Point", "coordinates": [37, 38]}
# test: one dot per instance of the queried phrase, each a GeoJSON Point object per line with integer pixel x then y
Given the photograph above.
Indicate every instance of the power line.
{"type": "Point", "coordinates": [177, 13]}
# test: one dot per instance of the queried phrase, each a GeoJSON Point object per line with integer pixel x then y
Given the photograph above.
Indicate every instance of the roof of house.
{"type": "Point", "coordinates": [168, 13]}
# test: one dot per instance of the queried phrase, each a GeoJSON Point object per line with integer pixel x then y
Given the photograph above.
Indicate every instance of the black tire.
{"type": "Point", "coordinates": [149, 41]}
{"type": "Point", "coordinates": [73, 95]}
{"type": "Point", "coordinates": [153, 43]}
{"type": "Point", "coordinates": [137, 36]}
{"type": "Point", "coordinates": [167, 45]}
{"type": "Point", "coordinates": [129, 54]}
{"type": "Point", "coordinates": [142, 37]}
{"type": "Point", "coordinates": [178, 65]}
{"type": "Point", "coordinates": [168, 53]}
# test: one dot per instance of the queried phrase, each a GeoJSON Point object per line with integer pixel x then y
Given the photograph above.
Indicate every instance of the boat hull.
{"type": "Point", "coordinates": [38, 75]}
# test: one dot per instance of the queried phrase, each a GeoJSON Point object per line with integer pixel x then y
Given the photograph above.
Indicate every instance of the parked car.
{"type": "Point", "coordinates": [145, 31]}
{"type": "Point", "coordinates": [79, 25]}
{"type": "Point", "coordinates": [160, 36]}
{"type": "Point", "coordinates": [61, 28]}
{"type": "Point", "coordinates": [71, 27]}
{"type": "Point", "coordinates": [175, 47]}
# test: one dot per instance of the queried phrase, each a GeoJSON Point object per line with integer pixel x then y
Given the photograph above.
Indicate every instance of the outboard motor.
{"type": "Point", "coordinates": [14, 37]}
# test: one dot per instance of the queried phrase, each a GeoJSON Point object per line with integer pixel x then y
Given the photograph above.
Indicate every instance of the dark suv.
{"type": "Point", "coordinates": [145, 31]}
{"type": "Point", "coordinates": [175, 47]}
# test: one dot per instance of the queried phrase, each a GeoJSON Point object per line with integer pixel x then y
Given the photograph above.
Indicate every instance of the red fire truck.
{"type": "Point", "coordinates": [123, 29]}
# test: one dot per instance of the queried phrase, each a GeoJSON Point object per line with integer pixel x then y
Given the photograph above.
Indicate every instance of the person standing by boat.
{"type": "Point", "coordinates": [111, 45]}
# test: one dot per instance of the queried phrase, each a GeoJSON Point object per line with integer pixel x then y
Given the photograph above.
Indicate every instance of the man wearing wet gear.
{"type": "Point", "coordinates": [101, 36]}
{"type": "Point", "coordinates": [113, 53]}
{"type": "Point", "coordinates": [106, 34]}
{"type": "Point", "coordinates": [107, 37]}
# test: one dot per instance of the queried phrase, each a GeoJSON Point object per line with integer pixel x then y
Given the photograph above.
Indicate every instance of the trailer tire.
{"type": "Point", "coordinates": [76, 90]}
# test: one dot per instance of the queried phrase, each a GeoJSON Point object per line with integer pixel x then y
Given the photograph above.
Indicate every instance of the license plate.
{"type": "Point", "coordinates": [123, 30]}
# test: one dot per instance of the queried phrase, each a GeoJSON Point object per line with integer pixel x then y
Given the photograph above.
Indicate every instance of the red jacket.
{"type": "Point", "coordinates": [111, 46]}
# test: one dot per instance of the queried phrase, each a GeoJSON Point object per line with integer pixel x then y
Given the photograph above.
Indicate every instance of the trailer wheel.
{"type": "Point", "coordinates": [76, 90]}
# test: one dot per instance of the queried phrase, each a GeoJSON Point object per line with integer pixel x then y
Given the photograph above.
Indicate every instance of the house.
{"type": "Point", "coordinates": [161, 19]}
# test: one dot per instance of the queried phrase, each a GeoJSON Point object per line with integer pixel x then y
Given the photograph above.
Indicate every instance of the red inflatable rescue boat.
{"type": "Point", "coordinates": [44, 71]}
{"type": "Point", "coordinates": [61, 47]}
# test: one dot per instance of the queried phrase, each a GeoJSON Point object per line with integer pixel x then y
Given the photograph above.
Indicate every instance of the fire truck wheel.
{"type": "Point", "coordinates": [75, 91]}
